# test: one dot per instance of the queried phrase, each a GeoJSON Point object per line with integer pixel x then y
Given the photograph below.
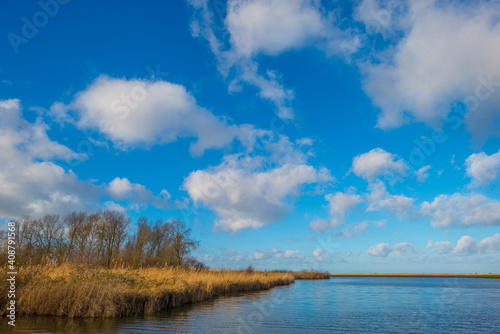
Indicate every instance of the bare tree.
{"type": "Point", "coordinates": [50, 233]}
{"type": "Point", "coordinates": [73, 222]}
{"type": "Point", "coordinates": [115, 225]}
{"type": "Point", "coordinates": [160, 242]}
{"type": "Point", "coordinates": [142, 239]}
{"type": "Point", "coordinates": [83, 238]}
{"type": "Point", "coordinates": [182, 243]}
{"type": "Point", "coordinates": [99, 238]}
{"type": "Point", "coordinates": [26, 237]}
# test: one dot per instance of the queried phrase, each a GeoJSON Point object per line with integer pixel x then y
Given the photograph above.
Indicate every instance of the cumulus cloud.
{"type": "Point", "coordinates": [378, 163]}
{"type": "Point", "coordinates": [321, 225]}
{"type": "Point", "coordinates": [440, 247]}
{"type": "Point", "coordinates": [462, 210]}
{"type": "Point", "coordinates": [398, 205]}
{"type": "Point", "coordinates": [34, 182]}
{"type": "Point", "coordinates": [140, 113]}
{"type": "Point", "coordinates": [318, 252]}
{"type": "Point", "coordinates": [384, 249]}
{"type": "Point", "coordinates": [340, 202]}
{"type": "Point", "coordinates": [448, 54]}
{"type": "Point", "coordinates": [380, 17]}
{"type": "Point", "coordinates": [354, 230]}
{"type": "Point", "coordinates": [259, 255]}
{"type": "Point", "coordinates": [482, 168]}
{"type": "Point", "coordinates": [288, 254]}
{"type": "Point", "coordinates": [273, 253]}
{"type": "Point", "coordinates": [122, 189]}
{"type": "Point", "coordinates": [468, 245]}
{"type": "Point", "coordinates": [246, 193]}
{"type": "Point", "coordinates": [379, 250]}
{"type": "Point", "coordinates": [357, 229]}
{"type": "Point", "coordinates": [30, 180]}
{"type": "Point", "coordinates": [268, 27]}
{"type": "Point", "coordinates": [271, 27]}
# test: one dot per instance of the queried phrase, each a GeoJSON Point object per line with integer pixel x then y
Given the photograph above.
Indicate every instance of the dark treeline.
{"type": "Point", "coordinates": [101, 239]}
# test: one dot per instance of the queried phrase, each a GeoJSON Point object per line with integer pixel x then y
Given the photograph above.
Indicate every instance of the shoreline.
{"type": "Point", "coordinates": [490, 276]}
{"type": "Point", "coordinates": [77, 292]}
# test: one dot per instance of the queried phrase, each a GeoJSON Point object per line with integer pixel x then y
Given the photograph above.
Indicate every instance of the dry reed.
{"type": "Point", "coordinates": [306, 275]}
{"type": "Point", "coordinates": [71, 291]}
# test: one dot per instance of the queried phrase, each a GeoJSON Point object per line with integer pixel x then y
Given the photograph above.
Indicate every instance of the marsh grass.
{"type": "Point", "coordinates": [311, 274]}
{"type": "Point", "coordinates": [73, 291]}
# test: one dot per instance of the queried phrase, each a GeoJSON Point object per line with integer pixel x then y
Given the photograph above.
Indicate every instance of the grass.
{"type": "Point", "coordinates": [306, 275]}
{"type": "Point", "coordinates": [71, 291]}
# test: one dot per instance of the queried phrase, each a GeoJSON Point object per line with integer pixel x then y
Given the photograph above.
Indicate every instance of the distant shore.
{"type": "Point", "coordinates": [497, 276]}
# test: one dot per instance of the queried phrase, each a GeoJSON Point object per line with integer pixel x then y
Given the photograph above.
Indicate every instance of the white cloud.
{"type": "Point", "coordinates": [422, 174]}
{"type": "Point", "coordinates": [447, 55]}
{"type": "Point", "coordinates": [354, 230]}
{"type": "Point", "coordinates": [113, 206]}
{"type": "Point", "coordinates": [272, 26]}
{"type": "Point", "coordinates": [384, 249]}
{"type": "Point", "coordinates": [379, 250]}
{"type": "Point", "coordinates": [288, 254]}
{"type": "Point", "coordinates": [379, 17]}
{"type": "Point", "coordinates": [440, 247]}
{"type": "Point", "coordinates": [467, 245]}
{"type": "Point", "coordinates": [341, 202]}
{"type": "Point", "coordinates": [259, 256]}
{"type": "Point", "coordinates": [398, 205]}
{"type": "Point", "coordinates": [268, 27]}
{"type": "Point", "coordinates": [122, 189]}
{"type": "Point", "coordinates": [30, 181]}
{"type": "Point", "coordinates": [377, 163]}
{"type": "Point", "coordinates": [245, 194]}
{"type": "Point", "coordinates": [403, 248]}
{"type": "Point", "coordinates": [483, 168]}
{"type": "Point", "coordinates": [142, 113]}
{"type": "Point", "coordinates": [318, 252]}
{"type": "Point", "coordinates": [321, 225]}
{"type": "Point", "coordinates": [462, 210]}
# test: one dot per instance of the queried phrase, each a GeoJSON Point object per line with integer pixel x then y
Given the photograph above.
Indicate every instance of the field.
{"type": "Point", "coordinates": [72, 291]}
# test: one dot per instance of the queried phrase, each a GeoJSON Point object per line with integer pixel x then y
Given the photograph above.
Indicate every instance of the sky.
{"type": "Point", "coordinates": [348, 136]}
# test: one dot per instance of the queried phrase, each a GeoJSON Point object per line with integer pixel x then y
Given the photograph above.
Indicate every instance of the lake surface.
{"type": "Point", "coordinates": [338, 305]}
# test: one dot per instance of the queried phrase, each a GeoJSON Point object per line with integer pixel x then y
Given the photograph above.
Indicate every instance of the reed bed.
{"type": "Point", "coordinates": [306, 275]}
{"type": "Point", "coordinates": [75, 292]}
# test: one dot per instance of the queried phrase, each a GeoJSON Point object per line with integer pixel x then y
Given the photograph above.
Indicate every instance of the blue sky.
{"type": "Point", "coordinates": [349, 136]}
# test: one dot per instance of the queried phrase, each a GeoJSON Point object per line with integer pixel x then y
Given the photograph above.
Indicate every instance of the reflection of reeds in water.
{"type": "Point", "coordinates": [70, 291]}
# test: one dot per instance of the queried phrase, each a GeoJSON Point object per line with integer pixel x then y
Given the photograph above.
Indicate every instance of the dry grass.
{"type": "Point", "coordinates": [311, 275]}
{"type": "Point", "coordinates": [70, 291]}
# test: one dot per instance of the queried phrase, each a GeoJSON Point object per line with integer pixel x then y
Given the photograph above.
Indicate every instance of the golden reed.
{"type": "Point", "coordinates": [73, 291]}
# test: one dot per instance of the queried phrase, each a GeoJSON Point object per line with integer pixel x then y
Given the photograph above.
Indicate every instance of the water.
{"type": "Point", "coordinates": [338, 305]}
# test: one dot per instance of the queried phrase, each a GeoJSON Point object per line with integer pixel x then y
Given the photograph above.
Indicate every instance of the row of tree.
{"type": "Point", "coordinates": [102, 239]}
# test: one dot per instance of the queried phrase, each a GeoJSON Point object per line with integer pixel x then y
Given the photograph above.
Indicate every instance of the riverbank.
{"type": "Point", "coordinates": [496, 276]}
{"type": "Point", "coordinates": [310, 275]}
{"type": "Point", "coordinates": [77, 292]}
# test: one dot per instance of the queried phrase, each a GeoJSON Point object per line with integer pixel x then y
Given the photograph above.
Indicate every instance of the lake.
{"type": "Point", "coordinates": [338, 305]}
